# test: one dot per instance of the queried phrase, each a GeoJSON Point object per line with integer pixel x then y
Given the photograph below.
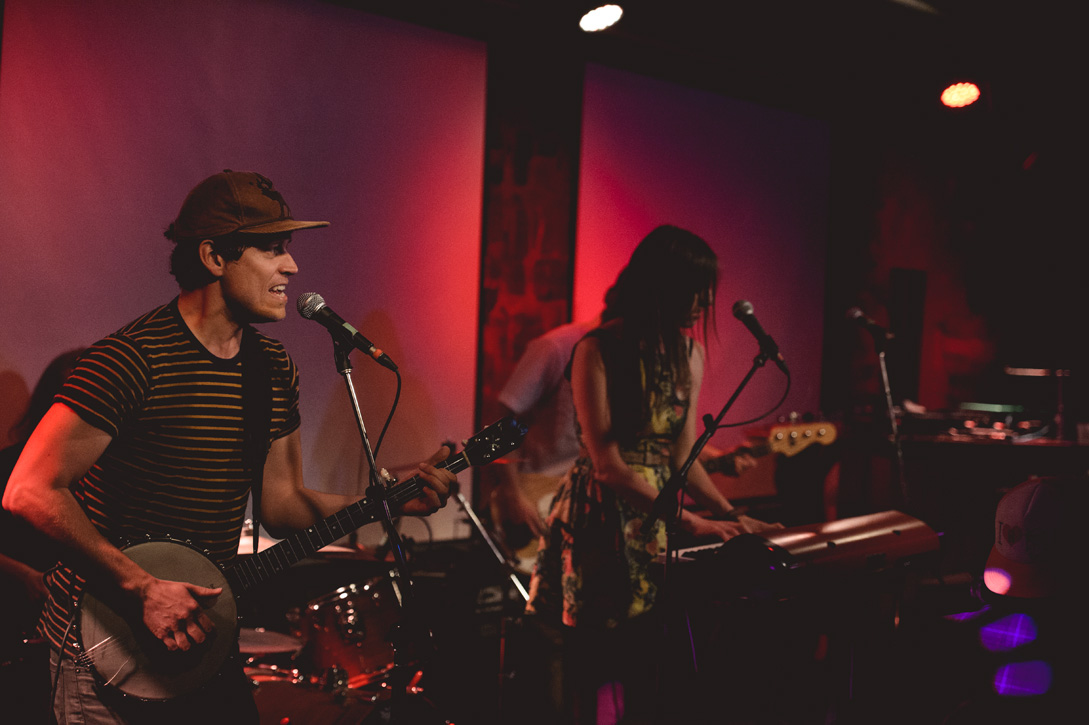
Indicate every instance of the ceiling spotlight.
{"type": "Point", "coordinates": [600, 17]}
{"type": "Point", "coordinates": [960, 95]}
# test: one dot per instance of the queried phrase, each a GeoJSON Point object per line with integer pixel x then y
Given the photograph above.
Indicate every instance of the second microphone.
{"type": "Point", "coordinates": [744, 312]}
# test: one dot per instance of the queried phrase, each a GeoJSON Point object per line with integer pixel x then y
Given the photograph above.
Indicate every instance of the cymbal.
{"type": "Point", "coordinates": [260, 641]}
{"type": "Point", "coordinates": [1037, 372]}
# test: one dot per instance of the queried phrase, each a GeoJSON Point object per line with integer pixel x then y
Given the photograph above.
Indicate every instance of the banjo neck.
{"type": "Point", "coordinates": [497, 439]}
{"type": "Point", "coordinates": [266, 564]}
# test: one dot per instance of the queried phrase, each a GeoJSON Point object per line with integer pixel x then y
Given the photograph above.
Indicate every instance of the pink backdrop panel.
{"type": "Point", "coordinates": [752, 181]}
{"type": "Point", "coordinates": [111, 111]}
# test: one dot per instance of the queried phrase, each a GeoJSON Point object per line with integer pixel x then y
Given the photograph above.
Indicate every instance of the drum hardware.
{"type": "Point", "coordinates": [260, 641]}
{"type": "Point", "coordinates": [258, 674]}
{"type": "Point", "coordinates": [280, 701]}
{"type": "Point", "coordinates": [332, 679]}
{"type": "Point", "coordinates": [287, 695]}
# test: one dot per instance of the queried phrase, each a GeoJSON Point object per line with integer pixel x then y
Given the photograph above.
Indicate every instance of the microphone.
{"type": "Point", "coordinates": [313, 307]}
{"type": "Point", "coordinates": [856, 315]}
{"type": "Point", "coordinates": [744, 312]}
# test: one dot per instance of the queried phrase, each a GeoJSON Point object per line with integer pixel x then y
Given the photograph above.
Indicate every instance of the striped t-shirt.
{"type": "Point", "coordinates": [174, 467]}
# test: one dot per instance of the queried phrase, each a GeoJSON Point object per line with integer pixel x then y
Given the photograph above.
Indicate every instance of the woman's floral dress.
{"type": "Point", "coordinates": [593, 563]}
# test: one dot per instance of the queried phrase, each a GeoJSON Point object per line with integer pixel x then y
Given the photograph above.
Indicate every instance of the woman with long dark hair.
{"type": "Point", "coordinates": [636, 381]}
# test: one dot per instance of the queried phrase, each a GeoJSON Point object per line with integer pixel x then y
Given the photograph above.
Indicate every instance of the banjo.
{"type": "Point", "coordinates": [124, 654]}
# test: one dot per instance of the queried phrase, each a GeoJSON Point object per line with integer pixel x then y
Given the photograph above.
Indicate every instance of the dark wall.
{"type": "Point", "coordinates": [959, 230]}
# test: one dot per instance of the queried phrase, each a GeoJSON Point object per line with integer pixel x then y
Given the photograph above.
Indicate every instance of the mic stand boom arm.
{"type": "Point", "coordinates": [668, 504]}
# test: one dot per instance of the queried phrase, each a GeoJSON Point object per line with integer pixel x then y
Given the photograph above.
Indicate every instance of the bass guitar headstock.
{"type": "Point", "coordinates": [796, 437]}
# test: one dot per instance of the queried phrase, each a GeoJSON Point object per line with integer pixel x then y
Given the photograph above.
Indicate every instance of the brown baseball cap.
{"type": "Point", "coordinates": [235, 201]}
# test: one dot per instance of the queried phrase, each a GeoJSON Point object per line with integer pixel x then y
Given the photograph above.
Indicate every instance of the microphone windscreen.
{"type": "Point", "coordinates": [309, 303]}
{"type": "Point", "coordinates": [742, 308]}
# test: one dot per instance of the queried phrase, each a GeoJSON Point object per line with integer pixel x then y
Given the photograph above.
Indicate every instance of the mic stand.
{"type": "Point", "coordinates": [901, 479]}
{"type": "Point", "coordinates": [669, 504]}
{"type": "Point", "coordinates": [376, 491]}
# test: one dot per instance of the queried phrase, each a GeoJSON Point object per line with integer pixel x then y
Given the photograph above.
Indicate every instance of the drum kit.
{"type": "Point", "coordinates": [334, 662]}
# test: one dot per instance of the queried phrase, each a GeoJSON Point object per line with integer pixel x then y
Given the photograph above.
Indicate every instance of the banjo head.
{"type": "Point", "coordinates": [127, 657]}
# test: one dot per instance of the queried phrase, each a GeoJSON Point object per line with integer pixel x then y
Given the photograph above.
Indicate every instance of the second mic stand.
{"type": "Point", "coordinates": [669, 504]}
{"type": "Point", "coordinates": [879, 342]}
{"type": "Point", "coordinates": [377, 491]}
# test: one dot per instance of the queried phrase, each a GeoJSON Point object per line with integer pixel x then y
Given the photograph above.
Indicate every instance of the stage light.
{"type": "Point", "coordinates": [600, 17]}
{"type": "Point", "coordinates": [959, 95]}
{"type": "Point", "coordinates": [997, 580]}
{"type": "Point", "coordinates": [1008, 633]}
{"type": "Point", "coordinates": [1023, 679]}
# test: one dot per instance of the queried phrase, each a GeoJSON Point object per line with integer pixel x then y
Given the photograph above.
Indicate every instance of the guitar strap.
{"type": "Point", "coordinates": [256, 417]}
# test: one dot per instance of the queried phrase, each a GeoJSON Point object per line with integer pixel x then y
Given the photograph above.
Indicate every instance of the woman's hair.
{"type": "Point", "coordinates": [651, 304]}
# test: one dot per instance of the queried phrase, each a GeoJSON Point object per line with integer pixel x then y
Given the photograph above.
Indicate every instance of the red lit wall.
{"type": "Point", "coordinates": [111, 111]}
{"type": "Point", "coordinates": [750, 180]}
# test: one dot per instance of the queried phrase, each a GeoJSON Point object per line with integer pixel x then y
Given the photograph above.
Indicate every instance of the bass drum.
{"type": "Point", "coordinates": [349, 631]}
{"type": "Point", "coordinates": [283, 697]}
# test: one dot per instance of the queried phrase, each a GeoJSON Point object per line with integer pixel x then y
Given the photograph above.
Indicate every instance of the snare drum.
{"type": "Point", "coordinates": [350, 630]}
